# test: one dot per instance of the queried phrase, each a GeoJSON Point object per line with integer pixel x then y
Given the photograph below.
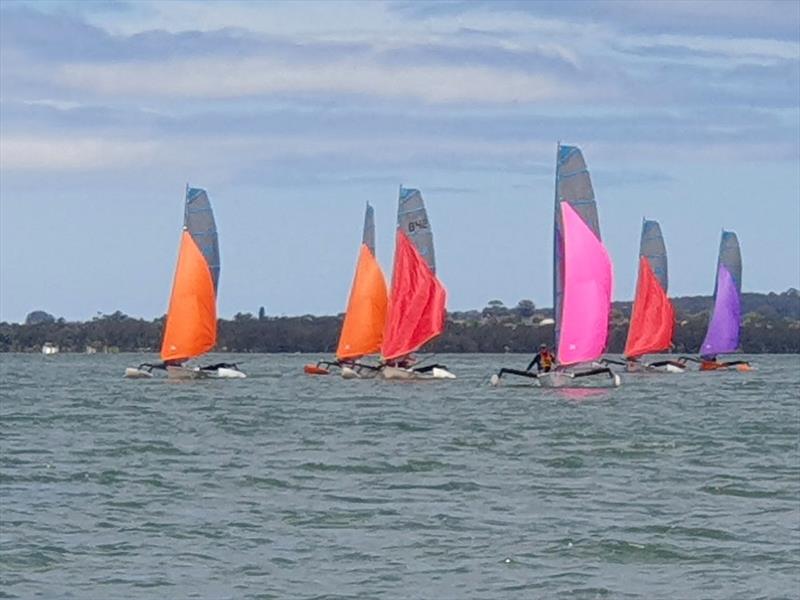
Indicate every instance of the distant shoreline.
{"type": "Point", "coordinates": [770, 325]}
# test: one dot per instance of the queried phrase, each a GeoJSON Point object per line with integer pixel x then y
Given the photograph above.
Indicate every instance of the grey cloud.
{"type": "Point", "coordinates": [392, 123]}
{"type": "Point", "coordinates": [771, 19]}
{"type": "Point", "coordinates": [63, 37]}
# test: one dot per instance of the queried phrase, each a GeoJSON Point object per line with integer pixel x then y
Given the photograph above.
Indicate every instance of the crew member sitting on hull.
{"type": "Point", "coordinates": [543, 360]}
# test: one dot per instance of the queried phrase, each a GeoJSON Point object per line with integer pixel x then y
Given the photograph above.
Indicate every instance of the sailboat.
{"type": "Point", "coordinates": [365, 318]}
{"type": "Point", "coordinates": [722, 336]}
{"type": "Point", "coordinates": [417, 302]}
{"type": "Point", "coordinates": [191, 325]}
{"type": "Point", "coordinates": [653, 316]}
{"type": "Point", "coordinates": [582, 282]}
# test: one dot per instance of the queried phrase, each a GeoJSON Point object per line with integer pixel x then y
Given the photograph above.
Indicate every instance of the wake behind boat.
{"type": "Point", "coordinates": [722, 336]}
{"type": "Point", "coordinates": [417, 304]}
{"type": "Point", "coordinates": [582, 283]}
{"type": "Point", "coordinates": [365, 317]}
{"type": "Point", "coordinates": [191, 325]}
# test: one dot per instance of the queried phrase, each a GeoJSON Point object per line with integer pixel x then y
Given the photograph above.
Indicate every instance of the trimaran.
{"type": "Point", "coordinates": [582, 283]}
{"type": "Point", "coordinates": [652, 322]}
{"type": "Point", "coordinates": [411, 317]}
{"type": "Point", "coordinates": [722, 336]}
{"type": "Point", "coordinates": [417, 303]}
{"type": "Point", "coordinates": [365, 317]}
{"type": "Point", "coordinates": [191, 324]}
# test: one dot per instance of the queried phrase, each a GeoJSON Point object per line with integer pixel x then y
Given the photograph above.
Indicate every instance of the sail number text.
{"type": "Point", "coordinates": [414, 225]}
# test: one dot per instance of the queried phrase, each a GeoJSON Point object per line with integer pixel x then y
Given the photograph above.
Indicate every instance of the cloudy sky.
{"type": "Point", "coordinates": [293, 115]}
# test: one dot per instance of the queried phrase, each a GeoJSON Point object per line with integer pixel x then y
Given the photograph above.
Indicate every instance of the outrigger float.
{"type": "Point", "coordinates": [191, 326]}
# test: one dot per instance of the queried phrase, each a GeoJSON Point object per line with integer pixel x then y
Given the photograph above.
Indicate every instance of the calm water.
{"type": "Point", "coordinates": [289, 486]}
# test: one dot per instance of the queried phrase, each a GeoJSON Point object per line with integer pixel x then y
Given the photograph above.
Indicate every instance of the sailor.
{"type": "Point", "coordinates": [543, 360]}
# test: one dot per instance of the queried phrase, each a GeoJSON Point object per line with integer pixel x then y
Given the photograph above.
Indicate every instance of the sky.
{"type": "Point", "coordinates": [294, 114]}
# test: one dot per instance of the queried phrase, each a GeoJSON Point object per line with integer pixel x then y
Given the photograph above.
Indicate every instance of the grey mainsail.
{"type": "Point", "coordinates": [652, 247]}
{"type": "Point", "coordinates": [412, 218]}
{"type": "Point", "coordinates": [730, 257]}
{"type": "Point", "coordinates": [368, 239]}
{"type": "Point", "coordinates": [198, 220]}
{"type": "Point", "coordinates": [573, 185]}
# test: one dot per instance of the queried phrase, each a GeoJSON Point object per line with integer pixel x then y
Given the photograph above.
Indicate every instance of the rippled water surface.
{"type": "Point", "coordinates": [289, 486]}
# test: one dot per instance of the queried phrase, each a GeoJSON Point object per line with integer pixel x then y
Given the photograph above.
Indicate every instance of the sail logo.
{"type": "Point", "coordinates": [421, 224]}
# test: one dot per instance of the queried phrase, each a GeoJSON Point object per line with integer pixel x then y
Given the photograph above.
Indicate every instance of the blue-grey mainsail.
{"type": "Point", "coordinates": [198, 220]}
{"type": "Point", "coordinates": [368, 239]}
{"type": "Point", "coordinates": [730, 257]}
{"type": "Point", "coordinates": [574, 186]}
{"type": "Point", "coordinates": [652, 247]}
{"type": "Point", "coordinates": [413, 220]}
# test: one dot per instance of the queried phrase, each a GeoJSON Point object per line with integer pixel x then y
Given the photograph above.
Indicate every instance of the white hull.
{"type": "Point", "coordinates": [133, 373]}
{"type": "Point", "coordinates": [184, 373]}
{"type": "Point", "coordinates": [566, 379]}
{"type": "Point", "coordinates": [350, 373]}
{"type": "Point", "coordinates": [411, 375]}
{"type": "Point", "coordinates": [228, 373]}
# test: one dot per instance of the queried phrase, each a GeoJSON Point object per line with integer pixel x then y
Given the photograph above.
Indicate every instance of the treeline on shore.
{"type": "Point", "coordinates": [770, 324]}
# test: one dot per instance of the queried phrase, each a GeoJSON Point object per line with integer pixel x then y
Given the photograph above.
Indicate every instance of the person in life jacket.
{"type": "Point", "coordinates": [543, 360]}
